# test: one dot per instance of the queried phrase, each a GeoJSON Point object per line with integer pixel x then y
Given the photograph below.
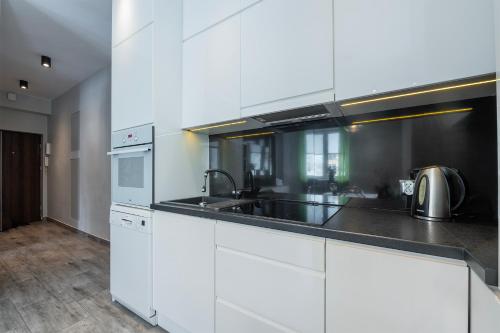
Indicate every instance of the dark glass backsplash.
{"type": "Point", "coordinates": [334, 157]}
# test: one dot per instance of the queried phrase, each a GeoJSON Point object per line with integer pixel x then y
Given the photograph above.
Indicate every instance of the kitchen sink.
{"type": "Point", "coordinates": [215, 203]}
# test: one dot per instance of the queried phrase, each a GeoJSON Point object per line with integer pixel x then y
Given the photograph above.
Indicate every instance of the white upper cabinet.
{"type": "Point", "coordinates": [389, 45]}
{"type": "Point", "coordinates": [129, 16]}
{"type": "Point", "coordinates": [132, 75]}
{"type": "Point", "coordinates": [286, 55]}
{"type": "Point", "coordinates": [211, 75]}
{"type": "Point", "coordinates": [202, 14]}
{"type": "Point", "coordinates": [378, 290]}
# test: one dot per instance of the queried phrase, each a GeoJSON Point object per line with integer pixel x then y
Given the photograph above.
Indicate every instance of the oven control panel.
{"type": "Point", "coordinates": [132, 136]}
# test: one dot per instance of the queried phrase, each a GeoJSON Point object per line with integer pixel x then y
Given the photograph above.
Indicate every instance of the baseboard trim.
{"type": "Point", "coordinates": [76, 230]}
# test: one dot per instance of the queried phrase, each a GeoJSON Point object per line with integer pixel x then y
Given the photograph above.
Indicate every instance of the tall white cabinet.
{"type": "Point", "coordinates": [388, 45]}
{"type": "Point", "coordinates": [132, 64]}
{"type": "Point", "coordinates": [132, 76]}
{"type": "Point", "coordinates": [371, 289]}
{"type": "Point", "coordinates": [130, 16]}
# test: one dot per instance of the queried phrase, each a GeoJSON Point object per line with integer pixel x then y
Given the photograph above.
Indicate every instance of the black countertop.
{"type": "Point", "coordinates": [475, 243]}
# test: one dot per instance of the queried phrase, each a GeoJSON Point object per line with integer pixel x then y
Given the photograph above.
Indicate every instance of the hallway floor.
{"type": "Point", "coordinates": [54, 280]}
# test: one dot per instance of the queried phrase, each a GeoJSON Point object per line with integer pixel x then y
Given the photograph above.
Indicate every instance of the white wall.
{"type": "Point", "coordinates": [26, 103]}
{"type": "Point", "coordinates": [29, 122]}
{"type": "Point", "coordinates": [93, 99]}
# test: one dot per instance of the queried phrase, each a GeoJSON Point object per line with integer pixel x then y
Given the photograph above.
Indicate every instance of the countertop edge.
{"type": "Point", "coordinates": [488, 275]}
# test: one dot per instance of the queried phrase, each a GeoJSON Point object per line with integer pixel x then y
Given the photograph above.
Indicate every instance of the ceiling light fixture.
{"type": "Point", "coordinates": [220, 125]}
{"type": "Point", "coordinates": [46, 62]}
{"type": "Point", "coordinates": [249, 135]}
{"type": "Point", "coordinates": [411, 116]}
{"type": "Point", "coordinates": [421, 92]}
{"type": "Point", "coordinates": [23, 84]}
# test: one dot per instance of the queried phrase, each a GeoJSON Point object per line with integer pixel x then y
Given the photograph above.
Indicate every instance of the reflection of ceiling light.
{"type": "Point", "coordinates": [249, 135]}
{"type": "Point", "coordinates": [421, 92]}
{"type": "Point", "coordinates": [46, 62]}
{"type": "Point", "coordinates": [220, 125]}
{"type": "Point", "coordinates": [23, 84]}
{"type": "Point", "coordinates": [418, 115]}
{"type": "Point", "coordinates": [352, 128]}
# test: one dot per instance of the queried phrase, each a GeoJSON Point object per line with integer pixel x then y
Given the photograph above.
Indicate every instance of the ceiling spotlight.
{"type": "Point", "coordinates": [46, 62]}
{"type": "Point", "coordinates": [23, 84]}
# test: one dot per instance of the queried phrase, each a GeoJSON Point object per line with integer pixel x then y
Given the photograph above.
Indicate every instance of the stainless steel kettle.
{"type": "Point", "coordinates": [437, 193]}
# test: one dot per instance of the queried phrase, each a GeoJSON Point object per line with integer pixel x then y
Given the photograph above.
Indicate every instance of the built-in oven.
{"type": "Point", "coordinates": [132, 163]}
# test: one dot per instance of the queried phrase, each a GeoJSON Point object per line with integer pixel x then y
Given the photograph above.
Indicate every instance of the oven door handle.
{"type": "Point", "coordinates": [129, 151]}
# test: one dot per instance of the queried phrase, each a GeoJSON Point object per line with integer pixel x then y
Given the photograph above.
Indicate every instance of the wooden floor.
{"type": "Point", "coordinates": [54, 280]}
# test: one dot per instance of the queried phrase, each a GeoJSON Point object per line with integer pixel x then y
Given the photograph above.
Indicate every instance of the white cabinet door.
{"type": "Point", "coordinates": [132, 75]}
{"type": "Point", "coordinates": [286, 55]}
{"type": "Point", "coordinates": [211, 75]}
{"type": "Point", "coordinates": [183, 272]}
{"type": "Point", "coordinates": [260, 288]}
{"type": "Point", "coordinates": [370, 289]}
{"type": "Point", "coordinates": [484, 307]}
{"type": "Point", "coordinates": [388, 45]}
{"type": "Point", "coordinates": [129, 16]}
{"type": "Point", "coordinates": [202, 14]}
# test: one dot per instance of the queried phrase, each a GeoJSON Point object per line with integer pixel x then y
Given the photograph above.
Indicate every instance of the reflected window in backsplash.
{"type": "Point", "coordinates": [333, 157]}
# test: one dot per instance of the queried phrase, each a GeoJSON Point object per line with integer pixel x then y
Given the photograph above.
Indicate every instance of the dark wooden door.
{"type": "Point", "coordinates": [21, 178]}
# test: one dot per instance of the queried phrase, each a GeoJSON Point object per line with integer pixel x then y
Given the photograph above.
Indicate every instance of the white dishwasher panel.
{"type": "Point", "coordinates": [131, 263]}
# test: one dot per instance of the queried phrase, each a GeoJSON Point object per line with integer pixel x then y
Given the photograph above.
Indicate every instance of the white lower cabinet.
{"type": "Point", "coordinates": [484, 307]}
{"type": "Point", "coordinates": [371, 289]}
{"type": "Point", "coordinates": [264, 284]}
{"type": "Point", "coordinates": [183, 272]}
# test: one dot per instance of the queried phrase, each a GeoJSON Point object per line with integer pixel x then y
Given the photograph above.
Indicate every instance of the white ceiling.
{"type": "Point", "coordinates": [76, 34]}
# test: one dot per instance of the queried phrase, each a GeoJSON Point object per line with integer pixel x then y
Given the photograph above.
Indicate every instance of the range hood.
{"type": "Point", "coordinates": [315, 112]}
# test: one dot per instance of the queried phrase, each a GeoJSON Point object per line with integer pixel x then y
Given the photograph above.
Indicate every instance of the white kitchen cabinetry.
{"type": "Point", "coordinates": [484, 307]}
{"type": "Point", "coordinates": [202, 14]}
{"type": "Point", "coordinates": [370, 289]}
{"type": "Point", "coordinates": [129, 16]}
{"type": "Point", "coordinates": [211, 75]}
{"type": "Point", "coordinates": [388, 45]}
{"type": "Point", "coordinates": [286, 55]}
{"type": "Point", "coordinates": [183, 272]}
{"type": "Point", "coordinates": [132, 75]}
{"type": "Point", "coordinates": [268, 280]}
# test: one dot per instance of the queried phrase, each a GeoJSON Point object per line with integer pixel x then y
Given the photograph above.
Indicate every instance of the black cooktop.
{"type": "Point", "coordinates": [292, 211]}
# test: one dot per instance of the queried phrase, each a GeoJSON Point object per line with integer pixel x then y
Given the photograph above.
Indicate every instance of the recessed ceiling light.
{"type": "Point", "coordinates": [23, 84]}
{"type": "Point", "coordinates": [46, 62]}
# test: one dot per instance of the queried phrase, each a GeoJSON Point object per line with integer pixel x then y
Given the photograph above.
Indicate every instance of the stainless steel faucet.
{"type": "Point", "coordinates": [225, 173]}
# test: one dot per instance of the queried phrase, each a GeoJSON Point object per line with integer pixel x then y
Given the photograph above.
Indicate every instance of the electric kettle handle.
{"type": "Point", "coordinates": [462, 190]}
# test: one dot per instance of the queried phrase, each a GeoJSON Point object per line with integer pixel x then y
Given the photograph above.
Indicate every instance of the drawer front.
{"type": "Point", "coordinates": [299, 250]}
{"type": "Point", "coordinates": [286, 295]}
{"type": "Point", "coordinates": [230, 319]}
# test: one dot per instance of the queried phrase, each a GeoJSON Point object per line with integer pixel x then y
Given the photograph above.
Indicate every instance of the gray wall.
{"type": "Point", "coordinates": [88, 189]}
{"type": "Point", "coordinates": [28, 122]}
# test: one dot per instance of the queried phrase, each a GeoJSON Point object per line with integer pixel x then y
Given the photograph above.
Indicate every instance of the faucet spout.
{"type": "Point", "coordinates": [225, 173]}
